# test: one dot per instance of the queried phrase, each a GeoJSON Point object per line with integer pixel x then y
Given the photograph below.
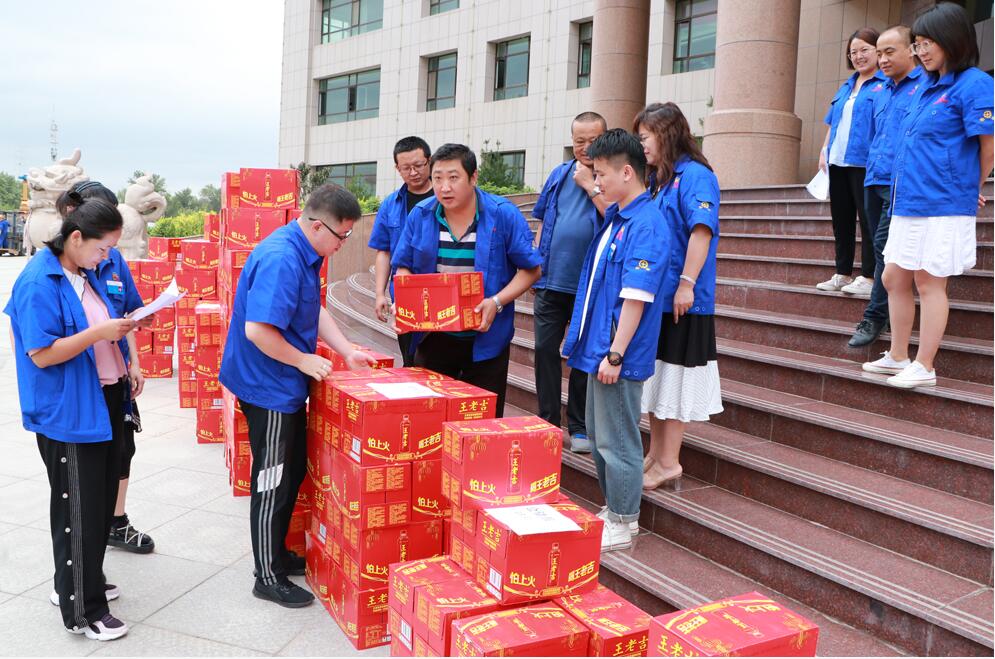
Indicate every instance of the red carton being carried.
{"type": "Point", "coordinates": [269, 188]}
{"type": "Point", "coordinates": [749, 625]}
{"type": "Point", "coordinates": [528, 553]}
{"type": "Point", "coordinates": [501, 462]}
{"type": "Point", "coordinates": [438, 302]}
{"type": "Point", "coordinates": [541, 630]}
{"type": "Point", "coordinates": [618, 627]}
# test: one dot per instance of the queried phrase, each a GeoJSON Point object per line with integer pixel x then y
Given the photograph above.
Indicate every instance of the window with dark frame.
{"type": "Point", "coordinates": [439, 6]}
{"type": "Point", "coordinates": [441, 82]}
{"type": "Point", "coordinates": [347, 18]}
{"type": "Point", "coordinates": [511, 69]}
{"type": "Point", "coordinates": [355, 175]}
{"type": "Point", "coordinates": [515, 161]}
{"type": "Point", "coordinates": [349, 97]}
{"type": "Point", "coordinates": [584, 33]}
{"type": "Point", "coordinates": [694, 35]}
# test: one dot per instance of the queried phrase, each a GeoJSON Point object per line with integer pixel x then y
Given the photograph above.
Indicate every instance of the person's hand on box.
{"type": "Point", "coordinates": [315, 366]}
{"type": "Point", "coordinates": [488, 311]}
{"type": "Point", "coordinates": [357, 359]}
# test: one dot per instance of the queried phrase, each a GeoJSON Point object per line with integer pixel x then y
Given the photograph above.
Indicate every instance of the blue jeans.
{"type": "Point", "coordinates": [877, 201]}
{"type": "Point", "coordinates": [613, 426]}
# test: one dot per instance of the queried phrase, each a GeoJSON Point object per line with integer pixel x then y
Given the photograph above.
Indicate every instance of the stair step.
{"type": "Point", "coordinates": [806, 225]}
{"type": "Point", "coordinates": [970, 359]}
{"type": "Point", "coordinates": [795, 191]}
{"type": "Point", "coordinates": [967, 319]}
{"type": "Point", "coordinates": [872, 588]}
{"type": "Point", "coordinates": [799, 206]}
{"type": "Point", "coordinates": [974, 285]}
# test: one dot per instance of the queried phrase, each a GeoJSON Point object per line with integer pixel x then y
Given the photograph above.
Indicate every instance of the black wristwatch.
{"type": "Point", "coordinates": [615, 359]}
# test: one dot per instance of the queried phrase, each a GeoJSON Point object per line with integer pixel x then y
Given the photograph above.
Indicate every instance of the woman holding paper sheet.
{"type": "Point", "coordinates": [114, 275]}
{"type": "Point", "coordinates": [72, 386]}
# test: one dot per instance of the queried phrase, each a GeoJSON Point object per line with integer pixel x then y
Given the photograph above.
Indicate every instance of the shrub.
{"type": "Point", "coordinates": [179, 226]}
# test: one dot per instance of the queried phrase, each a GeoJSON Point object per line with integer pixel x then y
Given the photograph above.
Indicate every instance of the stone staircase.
{"type": "Point", "coordinates": [865, 507]}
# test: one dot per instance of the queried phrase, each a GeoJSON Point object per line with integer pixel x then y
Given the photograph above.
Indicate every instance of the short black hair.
{"type": "Point", "coordinates": [334, 199]}
{"type": "Point", "coordinates": [903, 30]}
{"type": "Point", "coordinates": [950, 28]}
{"type": "Point", "coordinates": [411, 143]}
{"type": "Point", "coordinates": [459, 152]}
{"type": "Point", "coordinates": [75, 195]}
{"type": "Point", "coordinates": [865, 34]}
{"type": "Point", "coordinates": [619, 143]}
{"type": "Point", "coordinates": [589, 117]}
{"type": "Point", "coordinates": [93, 218]}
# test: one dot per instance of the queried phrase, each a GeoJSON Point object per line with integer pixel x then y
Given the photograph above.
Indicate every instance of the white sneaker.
{"type": "Point", "coordinates": [633, 526]}
{"type": "Point", "coordinates": [616, 535]}
{"type": "Point", "coordinates": [886, 365]}
{"type": "Point", "coordinates": [914, 375]}
{"type": "Point", "coordinates": [111, 592]}
{"type": "Point", "coordinates": [859, 286]}
{"type": "Point", "coordinates": [834, 283]}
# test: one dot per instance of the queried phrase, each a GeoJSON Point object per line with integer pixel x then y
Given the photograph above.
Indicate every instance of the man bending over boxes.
{"type": "Point", "coordinates": [464, 229]}
{"type": "Point", "coordinates": [268, 361]}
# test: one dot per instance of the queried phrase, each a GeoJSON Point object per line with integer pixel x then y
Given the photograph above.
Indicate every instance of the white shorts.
{"type": "Point", "coordinates": [943, 245]}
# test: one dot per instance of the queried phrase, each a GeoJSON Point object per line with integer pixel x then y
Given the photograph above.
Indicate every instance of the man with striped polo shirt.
{"type": "Point", "coordinates": [464, 229]}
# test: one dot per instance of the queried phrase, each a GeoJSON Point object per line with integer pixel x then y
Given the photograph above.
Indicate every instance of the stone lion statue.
{"type": "Point", "coordinates": [142, 206]}
{"type": "Point", "coordinates": [44, 187]}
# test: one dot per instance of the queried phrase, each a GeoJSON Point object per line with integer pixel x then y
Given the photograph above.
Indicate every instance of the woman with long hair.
{"type": "Point", "coordinates": [685, 385]}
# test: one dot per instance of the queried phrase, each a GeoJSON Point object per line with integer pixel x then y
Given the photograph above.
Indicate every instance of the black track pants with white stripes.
{"type": "Point", "coordinates": [84, 481]}
{"type": "Point", "coordinates": [279, 465]}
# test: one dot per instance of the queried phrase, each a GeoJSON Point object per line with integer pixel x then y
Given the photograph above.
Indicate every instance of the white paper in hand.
{"type": "Point", "coordinates": [167, 299]}
{"type": "Point", "coordinates": [818, 187]}
{"type": "Point", "coordinates": [532, 520]}
{"type": "Point", "coordinates": [399, 390]}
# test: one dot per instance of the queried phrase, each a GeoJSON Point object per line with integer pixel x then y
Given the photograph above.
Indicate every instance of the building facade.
{"type": "Point", "coordinates": [509, 75]}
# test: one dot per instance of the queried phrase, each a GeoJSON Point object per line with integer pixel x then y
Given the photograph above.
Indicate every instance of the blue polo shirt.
{"type": "Point", "coordinates": [858, 143]}
{"type": "Point", "coordinates": [559, 188]}
{"type": "Point", "coordinates": [888, 111]}
{"type": "Point", "coordinates": [635, 257]}
{"type": "Point", "coordinates": [115, 277]}
{"type": "Point", "coordinates": [691, 198]}
{"type": "Point", "coordinates": [279, 286]}
{"type": "Point", "coordinates": [937, 164]}
{"type": "Point", "coordinates": [503, 247]}
{"type": "Point", "coordinates": [64, 401]}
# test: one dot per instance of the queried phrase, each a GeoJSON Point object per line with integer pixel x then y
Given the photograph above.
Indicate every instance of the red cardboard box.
{"type": "Point", "coordinates": [427, 500]}
{"type": "Point", "coordinates": [748, 625]}
{"type": "Point", "coordinates": [465, 401]}
{"type": "Point", "coordinates": [207, 324]}
{"type": "Point", "coordinates": [438, 302]}
{"type": "Point", "coordinates": [200, 254]}
{"type": "Point", "coordinates": [164, 249]}
{"type": "Point", "coordinates": [212, 227]}
{"type": "Point", "coordinates": [197, 283]}
{"type": "Point", "coordinates": [240, 476]}
{"type": "Point", "coordinates": [207, 361]}
{"type": "Point", "coordinates": [157, 366]}
{"type": "Point", "coordinates": [387, 421]}
{"type": "Point", "coordinates": [360, 614]}
{"type": "Point", "coordinates": [462, 550]}
{"type": "Point", "coordinates": [230, 193]}
{"type": "Point", "coordinates": [164, 320]}
{"type": "Point", "coordinates": [209, 394]}
{"type": "Point", "coordinates": [186, 339]}
{"type": "Point", "coordinates": [522, 555]}
{"type": "Point", "coordinates": [184, 311]}
{"type": "Point", "coordinates": [157, 273]}
{"type": "Point", "coordinates": [370, 497]}
{"type": "Point", "coordinates": [366, 558]}
{"type": "Point", "coordinates": [145, 291]}
{"type": "Point", "coordinates": [144, 341]}
{"type": "Point", "coordinates": [299, 518]}
{"type": "Point", "coordinates": [540, 630]}
{"type": "Point", "coordinates": [317, 568]}
{"type": "Point", "coordinates": [188, 392]}
{"type": "Point", "coordinates": [339, 363]}
{"type": "Point", "coordinates": [269, 188]}
{"type": "Point", "coordinates": [247, 227]}
{"type": "Point", "coordinates": [210, 429]}
{"type": "Point", "coordinates": [618, 627]}
{"type": "Point", "coordinates": [501, 462]}
{"type": "Point", "coordinates": [438, 605]}
{"type": "Point", "coordinates": [407, 578]}
{"type": "Point", "coordinates": [162, 342]}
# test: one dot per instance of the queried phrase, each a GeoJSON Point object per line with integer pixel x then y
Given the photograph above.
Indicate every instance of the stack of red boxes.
{"type": "Point", "coordinates": [156, 343]}
{"type": "Point", "coordinates": [207, 362]}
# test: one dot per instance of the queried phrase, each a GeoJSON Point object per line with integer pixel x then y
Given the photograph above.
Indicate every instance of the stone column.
{"type": "Point", "coordinates": [620, 44]}
{"type": "Point", "coordinates": [753, 136]}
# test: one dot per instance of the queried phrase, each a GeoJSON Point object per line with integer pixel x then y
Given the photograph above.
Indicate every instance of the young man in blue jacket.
{"type": "Point", "coordinates": [411, 156]}
{"type": "Point", "coordinates": [615, 325]}
{"type": "Point", "coordinates": [464, 229]}
{"type": "Point", "coordinates": [570, 207]}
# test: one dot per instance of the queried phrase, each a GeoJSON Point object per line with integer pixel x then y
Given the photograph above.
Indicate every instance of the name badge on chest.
{"type": "Point", "coordinates": [115, 287]}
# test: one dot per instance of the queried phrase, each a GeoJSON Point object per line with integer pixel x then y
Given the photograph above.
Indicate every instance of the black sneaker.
{"type": "Point", "coordinates": [293, 565]}
{"type": "Point", "coordinates": [867, 332]}
{"type": "Point", "coordinates": [284, 593]}
{"type": "Point", "coordinates": [124, 536]}
{"type": "Point", "coordinates": [107, 628]}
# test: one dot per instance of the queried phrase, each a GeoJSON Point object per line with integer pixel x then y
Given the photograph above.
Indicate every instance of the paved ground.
{"type": "Point", "coordinates": [192, 596]}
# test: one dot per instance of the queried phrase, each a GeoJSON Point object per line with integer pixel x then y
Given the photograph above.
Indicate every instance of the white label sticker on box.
{"type": "Point", "coordinates": [494, 582]}
{"type": "Point", "coordinates": [531, 520]}
{"type": "Point", "coordinates": [401, 390]}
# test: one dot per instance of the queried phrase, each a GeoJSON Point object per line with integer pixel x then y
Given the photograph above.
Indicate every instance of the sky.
{"type": "Point", "coordinates": [182, 88]}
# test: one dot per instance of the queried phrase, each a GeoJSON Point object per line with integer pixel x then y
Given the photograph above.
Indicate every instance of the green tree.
{"type": "Point", "coordinates": [210, 198]}
{"type": "Point", "coordinates": [493, 171]}
{"type": "Point", "coordinates": [182, 202]}
{"type": "Point", "coordinates": [311, 177]}
{"type": "Point", "coordinates": [10, 192]}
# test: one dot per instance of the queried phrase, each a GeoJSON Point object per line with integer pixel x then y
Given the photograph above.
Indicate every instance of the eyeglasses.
{"type": "Point", "coordinates": [863, 51]}
{"type": "Point", "coordinates": [412, 169]}
{"type": "Point", "coordinates": [922, 46]}
{"type": "Point", "coordinates": [335, 233]}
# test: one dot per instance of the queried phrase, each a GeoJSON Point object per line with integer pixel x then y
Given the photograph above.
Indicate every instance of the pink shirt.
{"type": "Point", "coordinates": [110, 362]}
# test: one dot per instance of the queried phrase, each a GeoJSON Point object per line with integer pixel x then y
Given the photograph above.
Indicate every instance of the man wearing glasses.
{"type": "Point", "coordinates": [268, 363]}
{"type": "Point", "coordinates": [411, 155]}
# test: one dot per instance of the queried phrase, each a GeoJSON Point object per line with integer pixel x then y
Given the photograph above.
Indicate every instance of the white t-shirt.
{"type": "Point", "coordinates": [837, 150]}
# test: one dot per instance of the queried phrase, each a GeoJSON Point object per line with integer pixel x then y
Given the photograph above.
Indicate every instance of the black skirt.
{"type": "Point", "coordinates": [689, 343]}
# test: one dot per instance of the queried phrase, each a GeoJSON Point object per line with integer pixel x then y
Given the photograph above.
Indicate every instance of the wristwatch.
{"type": "Point", "coordinates": [595, 191]}
{"type": "Point", "coordinates": [615, 359]}
{"type": "Point", "coordinates": [497, 303]}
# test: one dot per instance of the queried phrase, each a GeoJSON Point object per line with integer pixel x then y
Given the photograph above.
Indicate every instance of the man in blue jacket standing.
{"type": "Point", "coordinates": [570, 207]}
{"type": "Point", "coordinates": [464, 229]}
